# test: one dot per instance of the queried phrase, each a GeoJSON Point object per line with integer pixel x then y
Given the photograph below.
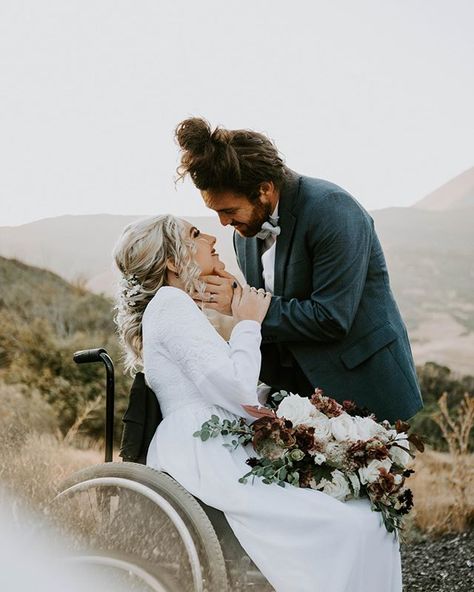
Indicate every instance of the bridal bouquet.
{"type": "Point", "coordinates": [318, 443]}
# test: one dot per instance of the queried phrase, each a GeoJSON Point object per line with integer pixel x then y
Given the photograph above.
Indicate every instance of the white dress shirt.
{"type": "Point", "coordinates": [268, 258]}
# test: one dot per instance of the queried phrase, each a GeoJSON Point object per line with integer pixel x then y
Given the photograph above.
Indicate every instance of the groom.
{"type": "Point", "coordinates": [333, 322]}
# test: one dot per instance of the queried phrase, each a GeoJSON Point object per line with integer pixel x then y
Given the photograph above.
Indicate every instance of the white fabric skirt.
{"type": "Point", "coordinates": [301, 540]}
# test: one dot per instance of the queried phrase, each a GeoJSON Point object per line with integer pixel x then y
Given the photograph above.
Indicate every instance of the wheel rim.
{"type": "Point", "coordinates": [163, 504]}
{"type": "Point", "coordinates": [126, 566]}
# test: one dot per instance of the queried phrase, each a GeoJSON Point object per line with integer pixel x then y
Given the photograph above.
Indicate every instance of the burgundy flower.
{"type": "Point", "coordinates": [357, 452]}
{"type": "Point", "coordinates": [326, 405]}
{"type": "Point", "coordinates": [306, 473]}
{"type": "Point", "coordinates": [252, 461]}
{"type": "Point", "coordinates": [363, 452]}
{"type": "Point", "coordinates": [384, 486]}
{"type": "Point", "coordinates": [351, 408]}
{"type": "Point", "coordinates": [304, 438]}
{"type": "Point", "coordinates": [405, 499]}
{"type": "Point", "coordinates": [272, 437]}
{"type": "Point", "coordinates": [376, 449]}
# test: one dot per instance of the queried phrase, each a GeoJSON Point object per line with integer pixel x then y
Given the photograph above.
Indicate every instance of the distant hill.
{"type": "Point", "coordinates": [28, 293]}
{"type": "Point", "coordinates": [430, 256]}
{"type": "Point", "coordinates": [429, 250]}
{"type": "Point", "coordinates": [79, 248]}
{"type": "Point", "coordinates": [43, 320]}
{"type": "Point", "coordinates": [457, 193]}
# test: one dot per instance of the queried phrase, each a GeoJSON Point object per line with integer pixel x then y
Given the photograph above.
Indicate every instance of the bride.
{"type": "Point", "coordinates": [302, 540]}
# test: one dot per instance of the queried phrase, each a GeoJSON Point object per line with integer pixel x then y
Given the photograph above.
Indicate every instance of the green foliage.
{"type": "Point", "coordinates": [434, 381]}
{"type": "Point", "coordinates": [214, 427]}
{"type": "Point", "coordinates": [43, 321]}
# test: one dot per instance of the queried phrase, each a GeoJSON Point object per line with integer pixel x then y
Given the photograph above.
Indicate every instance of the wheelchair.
{"type": "Point", "coordinates": [143, 528]}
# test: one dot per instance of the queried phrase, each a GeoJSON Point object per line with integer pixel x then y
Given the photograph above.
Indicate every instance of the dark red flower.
{"type": "Point", "coordinates": [362, 452]}
{"type": "Point", "coordinates": [385, 485]}
{"type": "Point", "coordinates": [406, 501]}
{"type": "Point", "coordinates": [304, 438]}
{"type": "Point", "coordinates": [252, 461]}
{"type": "Point", "coordinates": [272, 437]}
{"type": "Point", "coordinates": [351, 408]}
{"type": "Point", "coordinates": [326, 405]}
{"type": "Point", "coordinates": [306, 472]}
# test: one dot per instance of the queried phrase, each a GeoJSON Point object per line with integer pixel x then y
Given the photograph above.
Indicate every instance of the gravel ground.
{"type": "Point", "coordinates": [439, 565]}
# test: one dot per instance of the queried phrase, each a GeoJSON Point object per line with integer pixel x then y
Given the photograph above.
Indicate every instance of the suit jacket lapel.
{"type": "Point", "coordinates": [287, 219]}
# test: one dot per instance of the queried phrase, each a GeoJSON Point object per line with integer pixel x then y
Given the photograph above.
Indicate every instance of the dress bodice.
{"type": "Point", "coordinates": [187, 362]}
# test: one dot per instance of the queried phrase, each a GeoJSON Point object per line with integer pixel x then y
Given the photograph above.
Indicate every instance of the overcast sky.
{"type": "Point", "coordinates": [376, 96]}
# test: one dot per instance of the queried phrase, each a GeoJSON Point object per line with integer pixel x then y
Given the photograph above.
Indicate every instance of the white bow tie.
{"type": "Point", "coordinates": [269, 228]}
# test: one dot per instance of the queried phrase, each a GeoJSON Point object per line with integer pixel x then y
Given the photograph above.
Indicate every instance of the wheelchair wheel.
{"type": "Point", "coordinates": [143, 525]}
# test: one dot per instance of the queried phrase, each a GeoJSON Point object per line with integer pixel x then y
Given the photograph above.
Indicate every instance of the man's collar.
{"type": "Point", "coordinates": [273, 218]}
{"type": "Point", "coordinates": [289, 191]}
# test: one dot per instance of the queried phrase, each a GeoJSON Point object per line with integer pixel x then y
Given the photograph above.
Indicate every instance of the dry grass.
{"type": "Point", "coordinates": [438, 509]}
{"type": "Point", "coordinates": [33, 471]}
{"type": "Point", "coordinates": [34, 458]}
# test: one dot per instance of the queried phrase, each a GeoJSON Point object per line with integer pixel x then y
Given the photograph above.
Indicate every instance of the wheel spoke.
{"type": "Point", "coordinates": [142, 517]}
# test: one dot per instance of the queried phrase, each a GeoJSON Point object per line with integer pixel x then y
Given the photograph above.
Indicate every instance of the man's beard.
{"type": "Point", "coordinates": [260, 214]}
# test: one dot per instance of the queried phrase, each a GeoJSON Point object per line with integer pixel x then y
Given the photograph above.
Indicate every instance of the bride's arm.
{"type": "Point", "coordinates": [225, 374]}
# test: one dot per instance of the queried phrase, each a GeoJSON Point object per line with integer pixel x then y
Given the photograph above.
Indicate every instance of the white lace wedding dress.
{"type": "Point", "coordinates": [302, 540]}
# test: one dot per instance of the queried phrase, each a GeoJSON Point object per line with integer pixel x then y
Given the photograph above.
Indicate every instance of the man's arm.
{"type": "Point", "coordinates": [340, 246]}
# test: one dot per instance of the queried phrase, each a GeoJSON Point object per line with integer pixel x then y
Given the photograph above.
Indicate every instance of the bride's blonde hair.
{"type": "Point", "coordinates": [141, 255]}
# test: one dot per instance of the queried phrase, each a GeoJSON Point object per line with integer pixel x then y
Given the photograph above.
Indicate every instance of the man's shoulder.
{"type": "Point", "coordinates": [325, 196]}
{"type": "Point", "coordinates": [321, 189]}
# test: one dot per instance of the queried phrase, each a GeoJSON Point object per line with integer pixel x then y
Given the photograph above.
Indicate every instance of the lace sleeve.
{"type": "Point", "coordinates": [226, 374]}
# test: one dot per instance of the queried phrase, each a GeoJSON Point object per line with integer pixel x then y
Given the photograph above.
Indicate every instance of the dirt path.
{"type": "Point", "coordinates": [442, 565]}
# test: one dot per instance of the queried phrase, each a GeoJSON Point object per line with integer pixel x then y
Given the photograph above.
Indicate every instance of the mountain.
{"type": "Point", "coordinates": [29, 294]}
{"type": "Point", "coordinates": [456, 193]}
{"type": "Point", "coordinates": [430, 256]}
{"type": "Point", "coordinates": [43, 320]}
{"type": "Point", "coordinates": [79, 247]}
{"type": "Point", "coordinates": [429, 251]}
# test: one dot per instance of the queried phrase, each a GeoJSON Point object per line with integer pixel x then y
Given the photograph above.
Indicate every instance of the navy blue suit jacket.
{"type": "Point", "coordinates": [333, 314]}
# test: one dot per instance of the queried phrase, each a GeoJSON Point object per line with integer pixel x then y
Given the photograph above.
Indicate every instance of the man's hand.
{"type": "Point", "coordinates": [219, 291]}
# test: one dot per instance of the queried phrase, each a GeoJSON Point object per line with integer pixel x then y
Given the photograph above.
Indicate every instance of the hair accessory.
{"type": "Point", "coordinates": [133, 288]}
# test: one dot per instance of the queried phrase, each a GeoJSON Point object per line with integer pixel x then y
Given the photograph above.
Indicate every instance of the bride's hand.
{"type": "Point", "coordinates": [250, 304]}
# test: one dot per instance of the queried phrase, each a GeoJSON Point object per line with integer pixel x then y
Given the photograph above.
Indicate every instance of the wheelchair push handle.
{"type": "Point", "coordinates": [91, 356]}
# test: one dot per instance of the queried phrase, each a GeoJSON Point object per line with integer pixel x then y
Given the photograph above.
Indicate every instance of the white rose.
{"type": "Point", "coordinates": [399, 456]}
{"type": "Point", "coordinates": [343, 428]}
{"type": "Point", "coordinates": [336, 453]}
{"type": "Point", "coordinates": [319, 458]}
{"type": "Point", "coordinates": [355, 482]}
{"type": "Point", "coordinates": [367, 428]}
{"type": "Point", "coordinates": [322, 427]}
{"type": "Point", "coordinates": [371, 472]}
{"type": "Point", "coordinates": [296, 409]}
{"type": "Point", "coordinates": [337, 487]}
{"type": "Point", "coordinates": [397, 479]}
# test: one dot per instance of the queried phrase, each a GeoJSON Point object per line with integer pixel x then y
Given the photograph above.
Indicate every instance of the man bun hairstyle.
{"type": "Point", "coordinates": [227, 160]}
